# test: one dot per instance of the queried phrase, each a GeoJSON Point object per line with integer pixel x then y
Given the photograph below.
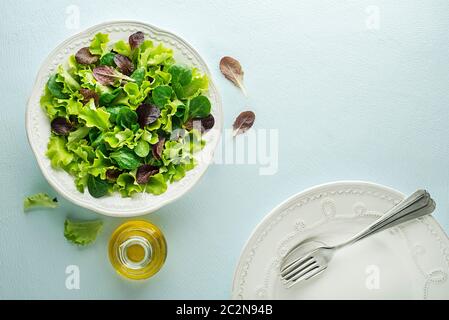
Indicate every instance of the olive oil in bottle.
{"type": "Point", "coordinates": [137, 249]}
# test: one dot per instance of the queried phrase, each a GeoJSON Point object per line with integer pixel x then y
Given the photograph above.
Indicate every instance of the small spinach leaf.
{"type": "Point", "coordinates": [108, 59]}
{"type": "Point", "coordinates": [199, 107]}
{"type": "Point", "coordinates": [126, 117]}
{"type": "Point", "coordinates": [125, 159]}
{"type": "Point", "coordinates": [161, 95]}
{"type": "Point", "coordinates": [97, 187]}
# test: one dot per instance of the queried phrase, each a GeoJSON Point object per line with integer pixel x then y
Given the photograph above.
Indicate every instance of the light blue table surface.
{"type": "Point", "coordinates": [356, 89]}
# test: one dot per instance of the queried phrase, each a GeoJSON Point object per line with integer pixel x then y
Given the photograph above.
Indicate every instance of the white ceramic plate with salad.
{"type": "Point", "coordinates": [410, 261]}
{"type": "Point", "coordinates": [112, 129]}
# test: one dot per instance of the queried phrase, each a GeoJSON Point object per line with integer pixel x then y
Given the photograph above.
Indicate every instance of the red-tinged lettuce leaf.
{"type": "Point", "coordinates": [201, 124]}
{"type": "Point", "coordinates": [61, 126]}
{"type": "Point", "coordinates": [84, 56]}
{"type": "Point", "coordinates": [124, 64]}
{"type": "Point", "coordinates": [233, 71]}
{"type": "Point", "coordinates": [136, 39]}
{"type": "Point", "coordinates": [112, 174]}
{"type": "Point", "coordinates": [89, 94]}
{"type": "Point", "coordinates": [147, 114]}
{"type": "Point", "coordinates": [158, 148]}
{"type": "Point", "coordinates": [243, 122]}
{"type": "Point", "coordinates": [144, 172]}
{"type": "Point", "coordinates": [107, 75]}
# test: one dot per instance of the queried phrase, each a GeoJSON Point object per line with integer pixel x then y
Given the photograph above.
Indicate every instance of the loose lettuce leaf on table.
{"type": "Point", "coordinates": [39, 200]}
{"type": "Point", "coordinates": [82, 232]}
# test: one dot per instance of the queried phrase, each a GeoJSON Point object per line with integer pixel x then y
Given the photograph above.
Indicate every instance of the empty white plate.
{"type": "Point", "coordinates": [410, 261]}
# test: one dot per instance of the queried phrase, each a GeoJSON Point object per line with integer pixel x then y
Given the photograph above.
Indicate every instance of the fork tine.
{"type": "Point", "coordinates": [305, 267]}
{"type": "Point", "coordinates": [299, 268]}
{"type": "Point", "coordinates": [295, 263]}
{"type": "Point", "coordinates": [310, 274]}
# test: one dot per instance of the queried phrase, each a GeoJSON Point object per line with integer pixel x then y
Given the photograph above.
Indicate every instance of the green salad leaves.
{"type": "Point", "coordinates": [39, 200]}
{"type": "Point", "coordinates": [82, 232]}
{"type": "Point", "coordinates": [121, 117]}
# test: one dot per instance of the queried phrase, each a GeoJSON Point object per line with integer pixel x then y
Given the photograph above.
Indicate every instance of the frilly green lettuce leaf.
{"type": "Point", "coordinates": [167, 113]}
{"type": "Point", "coordinates": [127, 186]}
{"type": "Point", "coordinates": [175, 172]}
{"type": "Point", "coordinates": [156, 185]}
{"type": "Point", "coordinates": [159, 54]}
{"type": "Point", "coordinates": [57, 153]}
{"type": "Point", "coordinates": [69, 83]}
{"type": "Point", "coordinates": [198, 85]}
{"type": "Point", "coordinates": [82, 232]}
{"type": "Point", "coordinates": [119, 138]}
{"type": "Point", "coordinates": [87, 79]}
{"type": "Point", "coordinates": [122, 48]}
{"type": "Point", "coordinates": [51, 107]}
{"type": "Point", "coordinates": [95, 117]}
{"type": "Point", "coordinates": [79, 170]}
{"type": "Point", "coordinates": [134, 96]}
{"type": "Point", "coordinates": [39, 200]}
{"type": "Point", "coordinates": [78, 134]}
{"type": "Point", "coordinates": [100, 165]}
{"type": "Point", "coordinates": [144, 53]}
{"type": "Point", "coordinates": [183, 150]}
{"type": "Point", "coordinates": [82, 150]}
{"type": "Point", "coordinates": [73, 107]}
{"type": "Point", "coordinates": [56, 88]}
{"type": "Point", "coordinates": [151, 138]}
{"type": "Point", "coordinates": [99, 44]}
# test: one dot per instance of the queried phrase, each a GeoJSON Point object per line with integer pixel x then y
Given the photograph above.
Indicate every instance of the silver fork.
{"type": "Point", "coordinates": [295, 269]}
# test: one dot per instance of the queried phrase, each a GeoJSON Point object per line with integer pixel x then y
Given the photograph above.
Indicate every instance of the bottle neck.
{"type": "Point", "coordinates": [139, 244]}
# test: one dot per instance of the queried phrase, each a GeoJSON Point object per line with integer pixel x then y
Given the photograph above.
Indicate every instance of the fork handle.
{"type": "Point", "coordinates": [417, 205]}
